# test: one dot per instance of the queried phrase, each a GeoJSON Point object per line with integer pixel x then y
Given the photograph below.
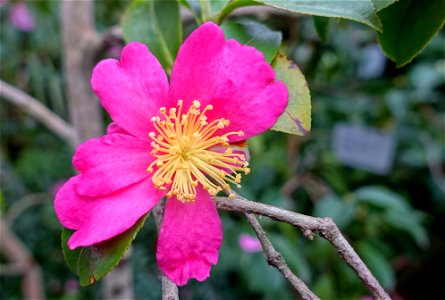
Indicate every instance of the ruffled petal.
{"type": "Point", "coordinates": [110, 163]}
{"type": "Point", "coordinates": [189, 239]}
{"type": "Point", "coordinates": [132, 90]}
{"type": "Point", "coordinates": [114, 128]}
{"type": "Point", "coordinates": [101, 218]}
{"type": "Point", "coordinates": [234, 78]}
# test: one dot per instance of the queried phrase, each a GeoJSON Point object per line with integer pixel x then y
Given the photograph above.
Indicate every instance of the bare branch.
{"type": "Point", "coordinates": [80, 41]}
{"type": "Point", "coordinates": [39, 111]}
{"type": "Point", "coordinates": [22, 262]}
{"type": "Point", "coordinates": [276, 259]}
{"type": "Point", "coordinates": [324, 226]}
{"type": "Point", "coordinates": [169, 288]}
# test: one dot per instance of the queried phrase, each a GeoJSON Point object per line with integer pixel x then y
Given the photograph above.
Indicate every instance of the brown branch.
{"type": "Point", "coordinates": [22, 262]}
{"type": "Point", "coordinates": [309, 225]}
{"type": "Point", "coordinates": [80, 41]}
{"type": "Point", "coordinates": [169, 288]}
{"type": "Point", "coordinates": [276, 259]}
{"type": "Point", "coordinates": [39, 111]}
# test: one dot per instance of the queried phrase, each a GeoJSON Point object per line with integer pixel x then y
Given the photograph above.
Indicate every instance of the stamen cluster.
{"type": "Point", "coordinates": [188, 152]}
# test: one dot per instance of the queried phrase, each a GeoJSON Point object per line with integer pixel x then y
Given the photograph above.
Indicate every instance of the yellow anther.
{"type": "Point", "coordinates": [238, 178]}
{"type": "Point", "coordinates": [185, 147]}
{"type": "Point", "coordinates": [196, 103]}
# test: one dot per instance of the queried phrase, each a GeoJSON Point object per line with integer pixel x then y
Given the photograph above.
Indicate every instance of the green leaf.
{"type": "Point", "coordinates": [321, 25]}
{"type": "Point", "coordinates": [410, 222]}
{"type": "Point", "coordinates": [204, 10]}
{"type": "Point", "coordinates": [359, 10]}
{"type": "Point", "coordinates": [231, 6]}
{"type": "Point", "coordinates": [340, 211]}
{"type": "Point", "coordinates": [92, 263]}
{"type": "Point", "coordinates": [382, 197]}
{"type": "Point", "coordinates": [379, 265]}
{"type": "Point", "coordinates": [409, 25]}
{"type": "Point", "coordinates": [381, 4]}
{"type": "Point", "coordinates": [156, 24]}
{"type": "Point", "coordinates": [296, 119]}
{"type": "Point", "coordinates": [254, 34]}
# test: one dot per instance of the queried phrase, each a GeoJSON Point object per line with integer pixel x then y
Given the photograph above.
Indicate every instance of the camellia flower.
{"type": "Point", "coordinates": [170, 141]}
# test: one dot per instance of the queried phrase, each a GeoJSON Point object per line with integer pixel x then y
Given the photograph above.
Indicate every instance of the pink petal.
{"type": "Point", "coordinates": [114, 128]}
{"type": "Point", "coordinates": [189, 239]}
{"type": "Point", "coordinates": [99, 219]}
{"type": "Point", "coordinates": [110, 163]}
{"type": "Point", "coordinates": [133, 90]}
{"type": "Point", "coordinates": [234, 78]}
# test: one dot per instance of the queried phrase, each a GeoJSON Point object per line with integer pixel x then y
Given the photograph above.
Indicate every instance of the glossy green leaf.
{"type": "Point", "coordinates": [381, 4]}
{"type": "Point", "coordinates": [205, 10]}
{"type": "Point", "coordinates": [381, 197]}
{"type": "Point", "coordinates": [410, 222]}
{"type": "Point", "coordinates": [297, 117]}
{"type": "Point", "coordinates": [409, 25]}
{"type": "Point", "coordinates": [359, 10]}
{"type": "Point", "coordinates": [157, 24]}
{"type": "Point", "coordinates": [231, 6]}
{"type": "Point", "coordinates": [254, 34]}
{"type": "Point", "coordinates": [321, 25]}
{"type": "Point", "coordinates": [92, 263]}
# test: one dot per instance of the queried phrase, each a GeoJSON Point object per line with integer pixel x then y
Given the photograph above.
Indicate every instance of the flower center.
{"type": "Point", "coordinates": [188, 152]}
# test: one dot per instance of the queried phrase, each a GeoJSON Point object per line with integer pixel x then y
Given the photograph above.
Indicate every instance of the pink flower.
{"type": "Point", "coordinates": [249, 243]}
{"type": "Point", "coordinates": [21, 17]}
{"type": "Point", "coordinates": [166, 141]}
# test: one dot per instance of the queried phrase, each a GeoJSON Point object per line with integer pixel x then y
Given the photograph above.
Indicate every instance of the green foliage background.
{"type": "Point", "coordinates": [395, 221]}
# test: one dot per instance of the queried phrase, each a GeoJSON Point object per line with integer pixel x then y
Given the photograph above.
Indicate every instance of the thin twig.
{"type": "Point", "coordinates": [169, 288]}
{"type": "Point", "coordinates": [22, 262]}
{"type": "Point", "coordinates": [39, 111]}
{"type": "Point", "coordinates": [276, 259]}
{"type": "Point", "coordinates": [309, 225]}
{"type": "Point", "coordinates": [24, 203]}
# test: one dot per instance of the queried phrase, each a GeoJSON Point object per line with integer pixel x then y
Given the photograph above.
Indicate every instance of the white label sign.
{"type": "Point", "coordinates": [364, 148]}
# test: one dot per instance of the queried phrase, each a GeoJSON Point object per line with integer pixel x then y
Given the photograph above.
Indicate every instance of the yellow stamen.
{"type": "Point", "coordinates": [185, 157]}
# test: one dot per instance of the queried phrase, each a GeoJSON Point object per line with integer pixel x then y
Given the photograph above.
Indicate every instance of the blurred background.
{"type": "Point", "coordinates": [374, 162]}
